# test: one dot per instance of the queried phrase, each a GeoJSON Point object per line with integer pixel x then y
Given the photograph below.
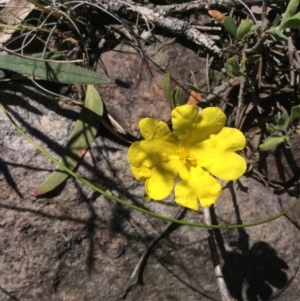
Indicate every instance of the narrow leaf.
{"type": "Point", "coordinates": [176, 99]}
{"type": "Point", "coordinates": [271, 142]}
{"type": "Point", "coordinates": [293, 22]}
{"type": "Point", "coordinates": [243, 29]}
{"type": "Point", "coordinates": [276, 20]}
{"type": "Point", "coordinates": [254, 58]}
{"type": "Point", "coordinates": [290, 12]}
{"type": "Point", "coordinates": [83, 135]}
{"type": "Point", "coordinates": [52, 71]}
{"type": "Point", "coordinates": [48, 55]}
{"type": "Point", "coordinates": [271, 128]}
{"type": "Point", "coordinates": [278, 35]}
{"type": "Point", "coordinates": [283, 122]}
{"type": "Point", "coordinates": [230, 26]}
{"type": "Point", "coordinates": [295, 113]}
{"type": "Point", "coordinates": [166, 85]}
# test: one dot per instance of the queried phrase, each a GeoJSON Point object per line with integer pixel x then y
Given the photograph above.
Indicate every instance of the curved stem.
{"type": "Point", "coordinates": [215, 258]}
{"type": "Point", "coordinates": [137, 208]}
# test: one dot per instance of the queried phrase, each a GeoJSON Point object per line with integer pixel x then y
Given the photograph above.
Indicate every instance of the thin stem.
{"type": "Point", "coordinates": [215, 259]}
{"type": "Point", "coordinates": [137, 208]}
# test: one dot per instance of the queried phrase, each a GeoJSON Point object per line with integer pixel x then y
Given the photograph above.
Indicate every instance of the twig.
{"type": "Point", "coordinates": [240, 102]}
{"type": "Point", "coordinates": [258, 44]}
{"type": "Point", "coordinates": [249, 11]}
{"type": "Point", "coordinates": [134, 278]}
{"type": "Point", "coordinates": [291, 50]}
{"type": "Point", "coordinates": [215, 258]}
{"type": "Point", "coordinates": [203, 5]}
{"type": "Point", "coordinates": [264, 12]}
{"type": "Point", "coordinates": [159, 19]}
{"type": "Point", "coordinates": [207, 73]}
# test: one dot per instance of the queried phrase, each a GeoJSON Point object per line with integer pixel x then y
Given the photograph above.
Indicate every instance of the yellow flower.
{"type": "Point", "coordinates": [199, 149]}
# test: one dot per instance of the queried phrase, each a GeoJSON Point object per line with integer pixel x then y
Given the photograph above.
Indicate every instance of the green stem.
{"type": "Point", "coordinates": [124, 203]}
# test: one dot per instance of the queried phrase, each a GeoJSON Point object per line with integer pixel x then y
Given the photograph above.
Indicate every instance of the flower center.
{"type": "Point", "coordinates": [185, 157]}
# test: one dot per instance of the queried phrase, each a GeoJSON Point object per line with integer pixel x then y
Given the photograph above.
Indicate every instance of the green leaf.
{"type": "Point", "coordinates": [290, 12]}
{"type": "Point", "coordinates": [176, 99]}
{"type": "Point", "coordinates": [83, 135]}
{"type": "Point", "coordinates": [147, 199]}
{"type": "Point", "coordinates": [293, 22]}
{"type": "Point", "coordinates": [287, 142]}
{"type": "Point", "coordinates": [243, 29]}
{"type": "Point", "coordinates": [253, 28]}
{"type": "Point", "coordinates": [223, 77]}
{"type": "Point", "coordinates": [295, 113]}
{"type": "Point", "coordinates": [276, 119]}
{"type": "Point", "coordinates": [271, 142]}
{"type": "Point", "coordinates": [48, 55]}
{"type": "Point", "coordinates": [283, 122]}
{"type": "Point", "coordinates": [166, 85]}
{"type": "Point", "coordinates": [278, 35]}
{"type": "Point", "coordinates": [253, 58]}
{"type": "Point", "coordinates": [276, 20]}
{"type": "Point", "coordinates": [233, 68]}
{"type": "Point", "coordinates": [230, 26]}
{"type": "Point", "coordinates": [195, 89]}
{"type": "Point", "coordinates": [52, 71]}
{"type": "Point", "coordinates": [271, 128]}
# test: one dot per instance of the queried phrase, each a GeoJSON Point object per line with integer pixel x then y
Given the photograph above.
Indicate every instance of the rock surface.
{"type": "Point", "coordinates": [75, 244]}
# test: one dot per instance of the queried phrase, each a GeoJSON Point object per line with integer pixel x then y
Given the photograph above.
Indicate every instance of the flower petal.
{"type": "Point", "coordinates": [159, 144]}
{"type": "Point", "coordinates": [198, 185]}
{"type": "Point", "coordinates": [186, 196]}
{"type": "Point", "coordinates": [140, 173]}
{"type": "Point", "coordinates": [193, 127]}
{"type": "Point", "coordinates": [152, 129]}
{"type": "Point", "coordinates": [161, 181]}
{"type": "Point", "coordinates": [217, 154]}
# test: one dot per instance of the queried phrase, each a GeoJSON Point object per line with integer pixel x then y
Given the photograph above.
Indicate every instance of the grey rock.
{"type": "Point", "coordinates": [75, 244]}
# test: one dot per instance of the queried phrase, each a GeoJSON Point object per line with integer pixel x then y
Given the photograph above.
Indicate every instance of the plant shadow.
{"type": "Point", "coordinates": [258, 266]}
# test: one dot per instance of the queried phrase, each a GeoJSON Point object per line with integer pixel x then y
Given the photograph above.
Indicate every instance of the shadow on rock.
{"type": "Point", "coordinates": [259, 267]}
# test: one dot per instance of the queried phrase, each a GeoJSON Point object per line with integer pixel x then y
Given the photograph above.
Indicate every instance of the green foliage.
{"type": "Point", "coordinates": [234, 68]}
{"type": "Point", "coordinates": [52, 71]}
{"type": "Point", "coordinates": [289, 13]}
{"type": "Point", "coordinates": [277, 35]}
{"type": "Point", "coordinates": [279, 131]}
{"type": "Point", "coordinates": [295, 113]}
{"type": "Point", "coordinates": [81, 138]}
{"type": "Point", "coordinates": [283, 122]}
{"type": "Point", "coordinates": [244, 29]}
{"type": "Point", "coordinates": [147, 199]}
{"type": "Point", "coordinates": [167, 92]}
{"type": "Point", "coordinates": [173, 100]}
{"type": "Point", "coordinates": [272, 142]}
{"type": "Point", "coordinates": [176, 99]}
{"type": "Point", "coordinates": [253, 58]}
{"type": "Point", "coordinates": [289, 20]}
{"type": "Point", "coordinates": [293, 22]}
{"type": "Point", "coordinates": [230, 26]}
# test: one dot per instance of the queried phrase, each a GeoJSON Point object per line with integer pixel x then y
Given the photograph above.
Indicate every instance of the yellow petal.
{"type": "Point", "coordinates": [161, 181]}
{"type": "Point", "coordinates": [150, 153]}
{"type": "Point", "coordinates": [140, 173]}
{"type": "Point", "coordinates": [152, 129]}
{"type": "Point", "coordinates": [186, 196]}
{"type": "Point", "coordinates": [217, 154]}
{"type": "Point", "coordinates": [198, 185]}
{"type": "Point", "coordinates": [192, 127]}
